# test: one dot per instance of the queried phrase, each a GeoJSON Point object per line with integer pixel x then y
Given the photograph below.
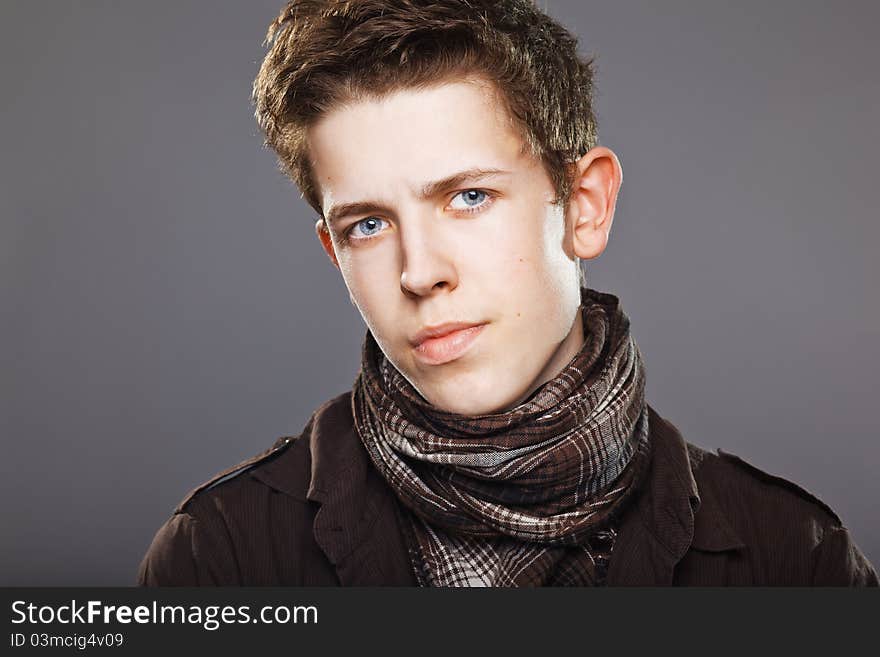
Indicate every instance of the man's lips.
{"type": "Point", "coordinates": [439, 330]}
{"type": "Point", "coordinates": [435, 345]}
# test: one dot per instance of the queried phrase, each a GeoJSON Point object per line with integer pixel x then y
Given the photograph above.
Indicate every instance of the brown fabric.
{"type": "Point", "coordinates": [313, 511]}
{"type": "Point", "coordinates": [516, 498]}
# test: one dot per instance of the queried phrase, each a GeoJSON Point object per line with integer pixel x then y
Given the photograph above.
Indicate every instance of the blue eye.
{"type": "Point", "coordinates": [473, 196]}
{"type": "Point", "coordinates": [369, 227]}
{"type": "Point", "coordinates": [470, 198]}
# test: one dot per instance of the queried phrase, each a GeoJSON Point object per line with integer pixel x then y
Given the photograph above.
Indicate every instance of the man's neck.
{"type": "Point", "coordinates": [567, 349]}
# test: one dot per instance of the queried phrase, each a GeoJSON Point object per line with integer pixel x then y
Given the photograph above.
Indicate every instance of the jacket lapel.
{"type": "Point", "coordinates": [356, 525]}
{"type": "Point", "coordinates": [657, 530]}
{"type": "Point", "coordinates": [669, 517]}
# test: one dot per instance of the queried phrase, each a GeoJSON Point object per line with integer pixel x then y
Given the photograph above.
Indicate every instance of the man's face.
{"type": "Point", "coordinates": [437, 214]}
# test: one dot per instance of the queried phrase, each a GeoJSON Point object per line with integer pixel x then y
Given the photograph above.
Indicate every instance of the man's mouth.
{"type": "Point", "coordinates": [444, 343]}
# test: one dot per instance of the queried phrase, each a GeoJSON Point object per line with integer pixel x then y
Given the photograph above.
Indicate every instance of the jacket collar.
{"type": "Point", "coordinates": [356, 525]}
{"type": "Point", "coordinates": [670, 516]}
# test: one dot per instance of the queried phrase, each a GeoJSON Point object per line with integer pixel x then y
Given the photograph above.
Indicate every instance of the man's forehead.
{"type": "Point", "coordinates": [435, 131]}
{"type": "Point", "coordinates": [411, 140]}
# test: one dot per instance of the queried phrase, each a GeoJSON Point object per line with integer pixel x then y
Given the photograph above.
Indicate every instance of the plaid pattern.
{"type": "Point", "coordinates": [525, 497]}
{"type": "Point", "coordinates": [441, 559]}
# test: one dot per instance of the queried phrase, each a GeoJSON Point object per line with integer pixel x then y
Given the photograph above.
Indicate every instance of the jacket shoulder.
{"type": "Point", "coordinates": [284, 467]}
{"type": "Point", "coordinates": [237, 473]}
{"type": "Point", "coordinates": [730, 470]}
{"type": "Point", "coordinates": [790, 536]}
{"type": "Point", "coordinates": [776, 525]}
{"type": "Point", "coordinates": [776, 480]}
{"type": "Point", "coordinates": [214, 527]}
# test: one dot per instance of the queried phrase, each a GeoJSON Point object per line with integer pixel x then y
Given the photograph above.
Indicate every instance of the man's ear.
{"type": "Point", "coordinates": [593, 197]}
{"type": "Point", "coordinates": [326, 242]}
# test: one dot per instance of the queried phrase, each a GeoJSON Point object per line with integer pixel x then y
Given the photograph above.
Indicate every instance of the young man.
{"type": "Point", "coordinates": [497, 433]}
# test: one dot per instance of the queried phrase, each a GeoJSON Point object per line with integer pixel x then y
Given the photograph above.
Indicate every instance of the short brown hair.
{"type": "Point", "coordinates": [323, 53]}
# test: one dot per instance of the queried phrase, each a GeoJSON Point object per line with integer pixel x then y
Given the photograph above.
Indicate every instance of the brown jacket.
{"type": "Point", "coordinates": [313, 511]}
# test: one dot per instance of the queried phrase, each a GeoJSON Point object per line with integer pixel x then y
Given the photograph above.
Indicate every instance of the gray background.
{"type": "Point", "coordinates": [167, 310]}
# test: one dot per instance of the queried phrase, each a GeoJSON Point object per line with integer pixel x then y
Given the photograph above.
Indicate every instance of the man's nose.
{"type": "Point", "coordinates": [427, 255]}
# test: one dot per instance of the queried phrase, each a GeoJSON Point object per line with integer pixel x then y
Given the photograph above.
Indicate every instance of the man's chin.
{"type": "Point", "coordinates": [470, 401]}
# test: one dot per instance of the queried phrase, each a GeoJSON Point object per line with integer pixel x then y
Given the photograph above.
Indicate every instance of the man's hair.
{"type": "Point", "coordinates": [325, 53]}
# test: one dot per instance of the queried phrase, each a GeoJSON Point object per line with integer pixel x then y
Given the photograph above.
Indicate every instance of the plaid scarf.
{"type": "Point", "coordinates": [525, 497]}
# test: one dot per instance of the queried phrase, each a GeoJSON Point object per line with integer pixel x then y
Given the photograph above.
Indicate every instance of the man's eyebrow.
{"type": "Point", "coordinates": [337, 212]}
{"type": "Point", "coordinates": [458, 179]}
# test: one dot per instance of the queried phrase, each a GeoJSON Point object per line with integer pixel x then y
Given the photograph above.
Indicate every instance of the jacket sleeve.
{"type": "Point", "coordinates": [839, 562]}
{"type": "Point", "coordinates": [185, 552]}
